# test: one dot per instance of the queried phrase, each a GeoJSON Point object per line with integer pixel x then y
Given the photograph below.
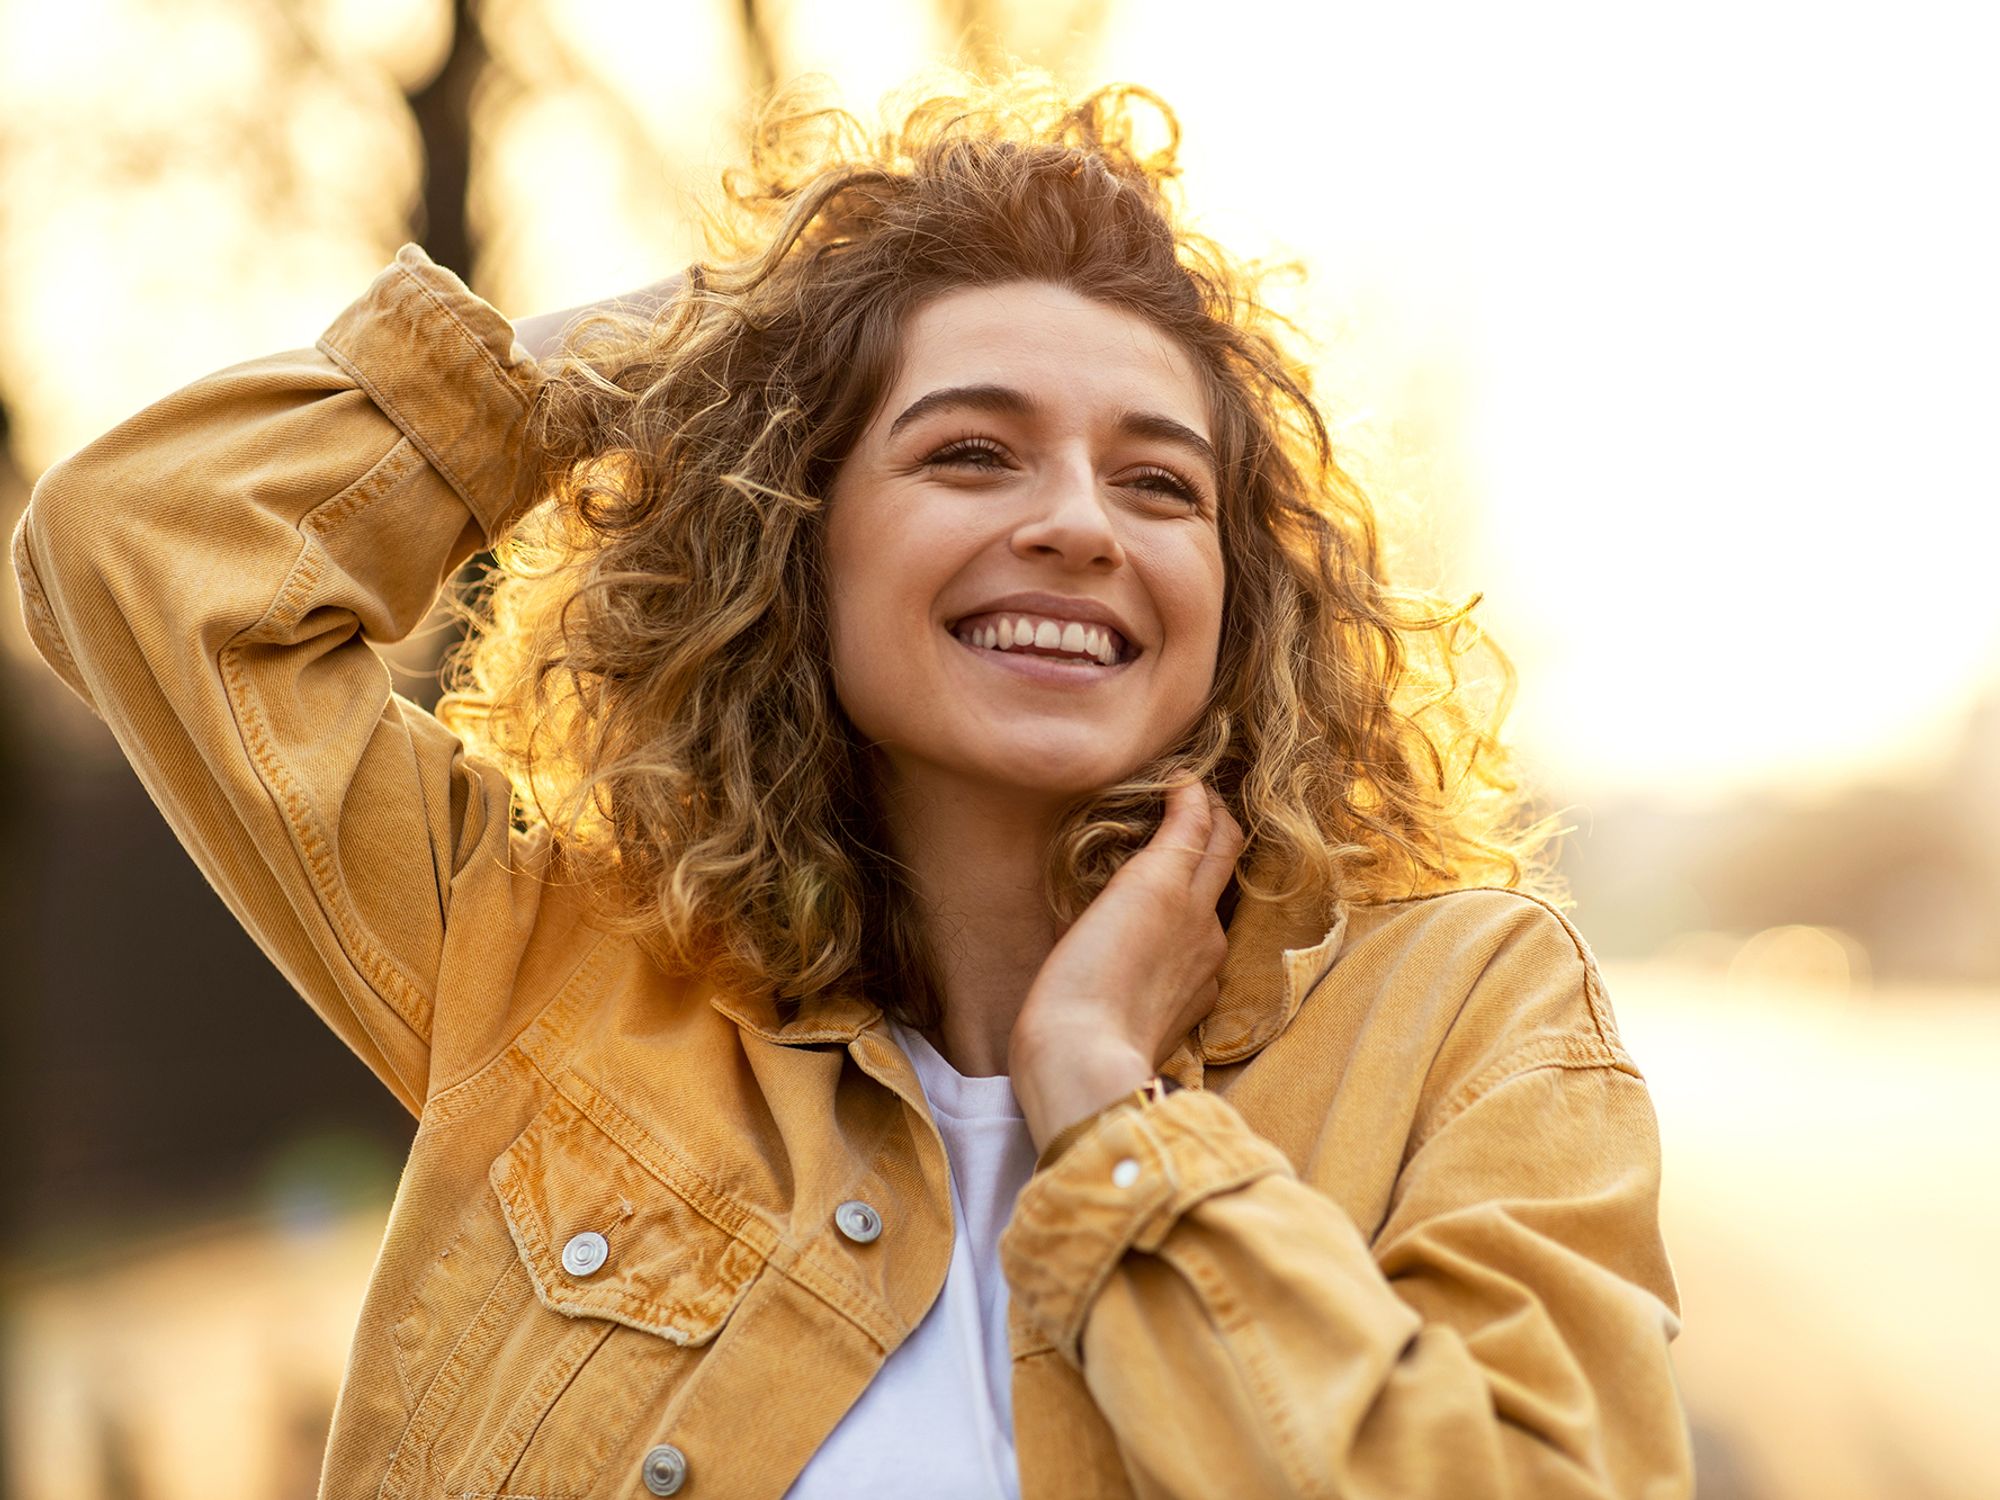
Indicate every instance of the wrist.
{"type": "Point", "coordinates": [1061, 1090]}
{"type": "Point", "coordinates": [1153, 1091]}
{"type": "Point", "coordinates": [543, 333]}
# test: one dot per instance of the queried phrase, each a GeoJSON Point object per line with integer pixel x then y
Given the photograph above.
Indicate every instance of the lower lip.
{"type": "Point", "coordinates": [1045, 668]}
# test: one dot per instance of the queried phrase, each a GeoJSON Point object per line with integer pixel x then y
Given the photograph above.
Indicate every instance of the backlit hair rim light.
{"type": "Point", "coordinates": [649, 661]}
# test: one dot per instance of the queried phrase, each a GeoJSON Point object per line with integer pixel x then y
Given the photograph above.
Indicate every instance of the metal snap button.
{"type": "Point", "coordinates": [665, 1469]}
{"type": "Point", "coordinates": [1125, 1173]}
{"type": "Point", "coordinates": [857, 1221]}
{"type": "Point", "coordinates": [585, 1253]}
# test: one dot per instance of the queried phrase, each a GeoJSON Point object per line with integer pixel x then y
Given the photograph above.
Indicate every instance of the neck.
{"type": "Point", "coordinates": [974, 857]}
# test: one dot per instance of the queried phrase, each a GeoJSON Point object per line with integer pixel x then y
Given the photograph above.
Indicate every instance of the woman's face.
{"type": "Point", "coordinates": [1022, 549]}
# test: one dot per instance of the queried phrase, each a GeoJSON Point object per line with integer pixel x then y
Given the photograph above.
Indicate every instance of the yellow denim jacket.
{"type": "Point", "coordinates": [1396, 1236]}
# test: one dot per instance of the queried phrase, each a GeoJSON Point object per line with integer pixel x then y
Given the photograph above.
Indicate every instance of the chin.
{"type": "Point", "coordinates": [1080, 780]}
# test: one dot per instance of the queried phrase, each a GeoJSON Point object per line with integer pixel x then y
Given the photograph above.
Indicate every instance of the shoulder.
{"type": "Point", "coordinates": [1411, 1012]}
{"type": "Point", "coordinates": [1496, 979]}
{"type": "Point", "coordinates": [1471, 927]}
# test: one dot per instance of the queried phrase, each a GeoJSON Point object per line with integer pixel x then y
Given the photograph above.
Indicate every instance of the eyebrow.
{"type": "Point", "coordinates": [1004, 400]}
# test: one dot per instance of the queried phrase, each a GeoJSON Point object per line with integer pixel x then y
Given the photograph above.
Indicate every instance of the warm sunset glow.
{"type": "Point", "coordinates": [1637, 369]}
{"type": "Point", "coordinates": [147, 243]}
{"type": "Point", "coordinates": [1685, 374]}
{"type": "Point", "coordinates": [1669, 330]}
{"type": "Point", "coordinates": [1723, 317]}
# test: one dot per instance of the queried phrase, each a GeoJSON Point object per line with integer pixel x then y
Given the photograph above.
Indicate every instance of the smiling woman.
{"type": "Point", "coordinates": [987, 320]}
{"type": "Point", "coordinates": [849, 1055]}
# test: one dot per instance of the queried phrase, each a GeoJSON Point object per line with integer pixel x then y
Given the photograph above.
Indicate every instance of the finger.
{"type": "Point", "coordinates": [1219, 857]}
{"type": "Point", "coordinates": [1184, 831]}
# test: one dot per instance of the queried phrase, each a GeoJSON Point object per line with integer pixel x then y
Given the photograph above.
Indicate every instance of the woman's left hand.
{"type": "Point", "coordinates": [1133, 975]}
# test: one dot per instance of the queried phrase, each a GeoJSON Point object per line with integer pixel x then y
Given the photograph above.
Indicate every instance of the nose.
{"type": "Point", "coordinates": [1068, 521]}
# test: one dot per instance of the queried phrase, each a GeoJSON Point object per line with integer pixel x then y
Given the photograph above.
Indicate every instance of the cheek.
{"type": "Point", "coordinates": [862, 687]}
{"type": "Point", "coordinates": [871, 600]}
{"type": "Point", "coordinates": [846, 602]}
{"type": "Point", "coordinates": [1215, 592]}
{"type": "Point", "coordinates": [873, 585]}
{"type": "Point", "coordinates": [851, 639]}
{"type": "Point", "coordinates": [1191, 584]}
{"type": "Point", "coordinates": [854, 553]}
{"type": "Point", "coordinates": [1202, 597]}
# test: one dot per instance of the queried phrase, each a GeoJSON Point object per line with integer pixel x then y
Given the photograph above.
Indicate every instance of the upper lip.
{"type": "Point", "coordinates": [1057, 606]}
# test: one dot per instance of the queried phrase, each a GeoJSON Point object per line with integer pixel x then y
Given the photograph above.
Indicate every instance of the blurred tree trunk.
{"type": "Point", "coordinates": [759, 46]}
{"type": "Point", "coordinates": [442, 224]}
{"type": "Point", "coordinates": [17, 1060]}
{"type": "Point", "coordinates": [443, 110]}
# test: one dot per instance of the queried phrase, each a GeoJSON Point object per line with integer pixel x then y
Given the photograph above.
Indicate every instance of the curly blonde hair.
{"type": "Point", "coordinates": [649, 658]}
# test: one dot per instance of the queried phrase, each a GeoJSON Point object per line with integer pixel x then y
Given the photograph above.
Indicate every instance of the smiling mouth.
{"type": "Point", "coordinates": [1045, 637]}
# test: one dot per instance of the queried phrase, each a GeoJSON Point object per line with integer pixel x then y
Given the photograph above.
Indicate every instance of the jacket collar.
{"type": "Point", "coordinates": [1277, 953]}
{"type": "Point", "coordinates": [831, 1018]}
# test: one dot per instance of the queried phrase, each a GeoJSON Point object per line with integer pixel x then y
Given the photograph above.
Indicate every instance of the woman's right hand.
{"type": "Point", "coordinates": [542, 334]}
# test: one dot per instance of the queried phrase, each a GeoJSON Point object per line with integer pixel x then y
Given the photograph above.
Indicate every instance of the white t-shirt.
{"type": "Point", "coordinates": [938, 1418]}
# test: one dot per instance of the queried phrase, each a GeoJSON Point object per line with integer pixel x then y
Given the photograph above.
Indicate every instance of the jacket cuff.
{"type": "Point", "coordinates": [446, 369]}
{"type": "Point", "coordinates": [1121, 1186]}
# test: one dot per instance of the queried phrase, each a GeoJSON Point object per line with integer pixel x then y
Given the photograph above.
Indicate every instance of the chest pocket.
{"type": "Point", "coordinates": [555, 1333]}
{"type": "Point", "coordinates": [601, 1236]}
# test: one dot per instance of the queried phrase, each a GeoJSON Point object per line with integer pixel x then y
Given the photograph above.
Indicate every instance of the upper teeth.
{"type": "Point", "coordinates": [1012, 632]}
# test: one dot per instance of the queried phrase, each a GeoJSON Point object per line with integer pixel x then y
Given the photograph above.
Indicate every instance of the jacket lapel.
{"type": "Point", "coordinates": [1277, 953]}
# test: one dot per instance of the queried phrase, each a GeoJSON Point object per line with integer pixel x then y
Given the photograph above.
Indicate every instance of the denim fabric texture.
{"type": "Point", "coordinates": [1397, 1236]}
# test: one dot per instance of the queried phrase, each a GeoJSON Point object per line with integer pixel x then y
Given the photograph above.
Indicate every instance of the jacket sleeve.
{"type": "Point", "coordinates": [1504, 1336]}
{"type": "Point", "coordinates": [209, 577]}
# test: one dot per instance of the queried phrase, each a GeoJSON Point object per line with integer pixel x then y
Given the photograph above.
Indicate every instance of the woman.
{"type": "Point", "coordinates": [932, 951]}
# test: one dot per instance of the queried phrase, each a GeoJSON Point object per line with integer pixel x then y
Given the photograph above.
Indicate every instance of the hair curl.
{"type": "Point", "coordinates": [650, 661]}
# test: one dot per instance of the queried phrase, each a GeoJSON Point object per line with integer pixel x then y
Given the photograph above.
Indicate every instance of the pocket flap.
{"type": "Point", "coordinates": [666, 1268]}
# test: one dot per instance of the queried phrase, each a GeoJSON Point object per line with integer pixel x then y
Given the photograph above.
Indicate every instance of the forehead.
{"type": "Point", "coordinates": [1071, 353]}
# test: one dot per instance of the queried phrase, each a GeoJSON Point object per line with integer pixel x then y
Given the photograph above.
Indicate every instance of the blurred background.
{"type": "Point", "coordinates": [1669, 329]}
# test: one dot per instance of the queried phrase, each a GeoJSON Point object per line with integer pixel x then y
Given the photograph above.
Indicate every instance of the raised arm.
{"type": "Point", "coordinates": [542, 334]}
{"type": "Point", "coordinates": [210, 576]}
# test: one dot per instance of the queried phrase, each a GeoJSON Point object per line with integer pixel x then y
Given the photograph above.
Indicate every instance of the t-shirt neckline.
{"type": "Point", "coordinates": [953, 1093]}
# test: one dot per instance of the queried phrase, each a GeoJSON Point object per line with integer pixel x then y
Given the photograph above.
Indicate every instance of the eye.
{"type": "Point", "coordinates": [969, 453]}
{"type": "Point", "coordinates": [1167, 482]}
